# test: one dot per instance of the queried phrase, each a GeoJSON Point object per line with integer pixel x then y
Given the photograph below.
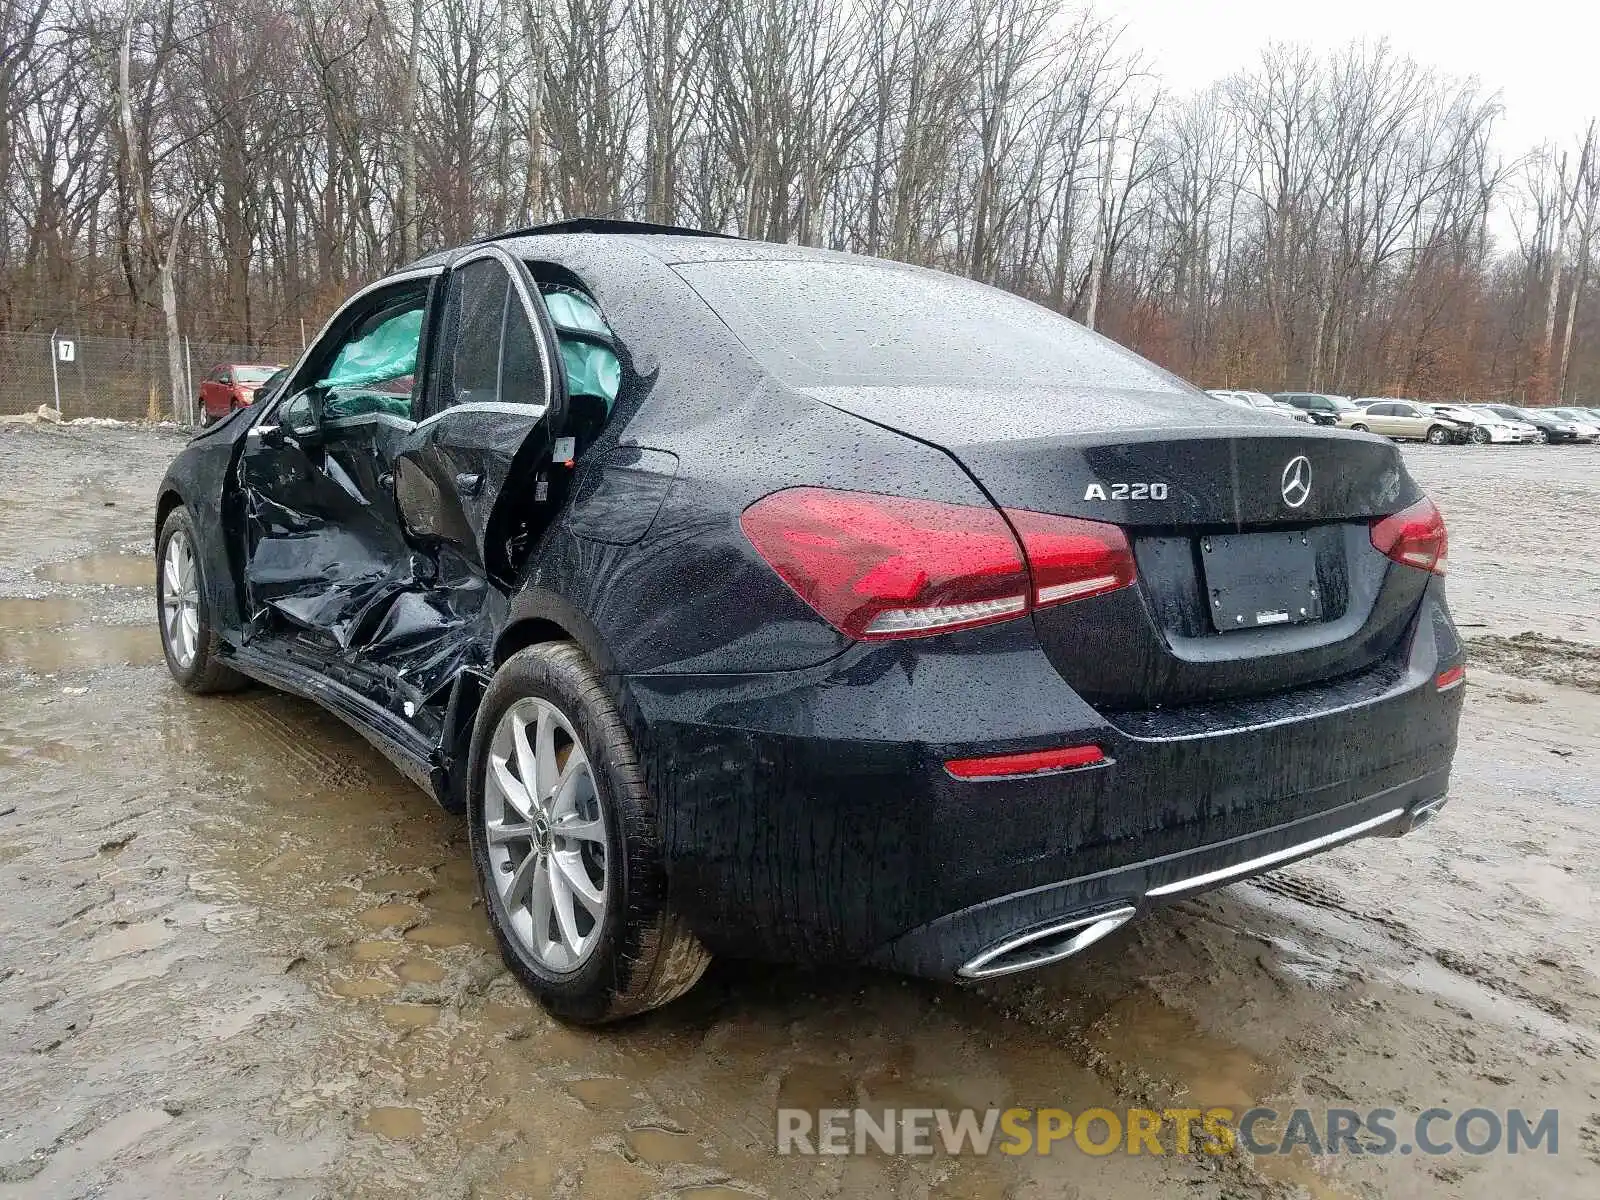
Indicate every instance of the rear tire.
{"type": "Point", "coordinates": [188, 637]}
{"type": "Point", "coordinates": [1438, 435]}
{"type": "Point", "coordinates": [205, 415]}
{"type": "Point", "coordinates": [580, 918]}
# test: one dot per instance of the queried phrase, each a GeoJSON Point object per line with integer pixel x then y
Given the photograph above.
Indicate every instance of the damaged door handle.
{"type": "Point", "coordinates": [469, 483]}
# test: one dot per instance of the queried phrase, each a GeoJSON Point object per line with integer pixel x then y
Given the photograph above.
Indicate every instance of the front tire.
{"type": "Point", "coordinates": [567, 847]}
{"type": "Point", "coordinates": [1438, 435]}
{"type": "Point", "coordinates": [188, 637]}
{"type": "Point", "coordinates": [1480, 435]}
{"type": "Point", "coordinates": [1360, 428]}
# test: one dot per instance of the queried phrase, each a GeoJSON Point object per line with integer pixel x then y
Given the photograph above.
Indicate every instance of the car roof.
{"type": "Point", "coordinates": [668, 244]}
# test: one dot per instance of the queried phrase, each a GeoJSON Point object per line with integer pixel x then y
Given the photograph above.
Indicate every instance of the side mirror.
{"type": "Point", "coordinates": [301, 417]}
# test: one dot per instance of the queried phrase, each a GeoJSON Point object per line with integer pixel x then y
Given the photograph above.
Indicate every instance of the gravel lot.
{"type": "Point", "coordinates": [242, 957]}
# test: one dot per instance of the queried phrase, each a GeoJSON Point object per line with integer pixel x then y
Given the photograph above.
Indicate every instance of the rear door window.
{"type": "Point", "coordinates": [491, 352]}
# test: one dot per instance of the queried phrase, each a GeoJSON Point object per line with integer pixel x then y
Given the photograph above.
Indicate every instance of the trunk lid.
{"type": "Point", "coordinates": [1256, 569]}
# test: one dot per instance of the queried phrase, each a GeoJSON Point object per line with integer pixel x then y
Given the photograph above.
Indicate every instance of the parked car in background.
{"type": "Point", "coordinates": [676, 569]}
{"type": "Point", "coordinates": [1588, 425]}
{"type": "Point", "coordinates": [231, 386]}
{"type": "Point", "coordinates": [1552, 428]}
{"type": "Point", "coordinates": [1488, 427]}
{"type": "Point", "coordinates": [1322, 408]}
{"type": "Point", "coordinates": [1261, 402]}
{"type": "Point", "coordinates": [1405, 420]}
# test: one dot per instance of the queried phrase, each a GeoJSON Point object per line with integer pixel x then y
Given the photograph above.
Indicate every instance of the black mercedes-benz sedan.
{"type": "Point", "coordinates": [762, 601]}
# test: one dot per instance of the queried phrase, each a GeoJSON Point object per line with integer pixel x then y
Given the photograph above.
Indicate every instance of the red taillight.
{"type": "Point", "coordinates": [1072, 558]}
{"type": "Point", "coordinates": [1414, 536]}
{"type": "Point", "coordinates": [1450, 678]}
{"type": "Point", "coordinates": [886, 567]}
{"type": "Point", "coordinates": [1029, 762]}
{"type": "Point", "coordinates": [883, 566]}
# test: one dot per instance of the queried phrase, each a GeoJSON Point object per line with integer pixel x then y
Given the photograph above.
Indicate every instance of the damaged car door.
{"type": "Point", "coordinates": [376, 530]}
{"type": "Point", "coordinates": [324, 548]}
{"type": "Point", "coordinates": [473, 477]}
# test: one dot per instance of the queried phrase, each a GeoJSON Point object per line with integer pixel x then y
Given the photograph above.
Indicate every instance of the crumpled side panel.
{"type": "Point", "coordinates": [329, 568]}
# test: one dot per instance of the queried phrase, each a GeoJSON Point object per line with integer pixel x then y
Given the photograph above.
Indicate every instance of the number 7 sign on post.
{"type": "Point", "coordinates": [65, 351]}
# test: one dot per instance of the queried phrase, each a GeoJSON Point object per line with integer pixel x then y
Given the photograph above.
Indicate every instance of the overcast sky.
{"type": "Point", "coordinates": [1542, 56]}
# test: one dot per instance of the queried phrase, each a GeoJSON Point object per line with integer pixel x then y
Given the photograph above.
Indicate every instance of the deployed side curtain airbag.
{"type": "Point", "coordinates": [593, 368]}
{"type": "Point", "coordinates": [387, 355]}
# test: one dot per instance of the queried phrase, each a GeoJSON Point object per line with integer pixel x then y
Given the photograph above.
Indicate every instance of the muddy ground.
{"type": "Point", "coordinates": [239, 956]}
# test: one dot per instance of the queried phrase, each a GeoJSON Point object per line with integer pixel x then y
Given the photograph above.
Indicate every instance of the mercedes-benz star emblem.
{"type": "Point", "coordinates": [1297, 481]}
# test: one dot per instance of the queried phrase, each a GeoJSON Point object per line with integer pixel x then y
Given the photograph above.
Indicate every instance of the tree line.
{"type": "Point", "coordinates": [1344, 222]}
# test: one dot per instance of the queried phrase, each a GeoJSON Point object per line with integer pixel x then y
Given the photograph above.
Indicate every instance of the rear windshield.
{"type": "Point", "coordinates": [253, 374]}
{"type": "Point", "coordinates": [832, 324]}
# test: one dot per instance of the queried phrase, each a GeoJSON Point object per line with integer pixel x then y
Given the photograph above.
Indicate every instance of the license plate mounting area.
{"type": "Point", "coordinates": [1260, 579]}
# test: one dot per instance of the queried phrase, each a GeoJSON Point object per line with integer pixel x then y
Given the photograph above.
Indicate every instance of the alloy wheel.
{"type": "Point", "coordinates": [546, 834]}
{"type": "Point", "coordinates": [180, 600]}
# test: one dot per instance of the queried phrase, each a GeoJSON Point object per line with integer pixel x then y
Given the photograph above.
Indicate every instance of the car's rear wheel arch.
{"type": "Point", "coordinates": [520, 635]}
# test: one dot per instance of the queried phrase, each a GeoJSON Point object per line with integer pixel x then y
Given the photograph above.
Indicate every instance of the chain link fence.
{"type": "Point", "coordinates": [113, 377]}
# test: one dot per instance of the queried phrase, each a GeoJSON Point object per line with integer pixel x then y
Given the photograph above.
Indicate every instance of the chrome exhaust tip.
{"type": "Point", "coordinates": [1417, 817]}
{"type": "Point", "coordinates": [1045, 945]}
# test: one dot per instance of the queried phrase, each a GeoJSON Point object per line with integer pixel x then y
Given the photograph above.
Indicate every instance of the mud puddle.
{"type": "Point", "coordinates": [45, 612]}
{"type": "Point", "coordinates": [102, 569]}
{"type": "Point", "coordinates": [49, 651]}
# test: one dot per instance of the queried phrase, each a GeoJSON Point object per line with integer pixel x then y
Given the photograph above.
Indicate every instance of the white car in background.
{"type": "Point", "coordinates": [1487, 426]}
{"type": "Point", "coordinates": [1240, 398]}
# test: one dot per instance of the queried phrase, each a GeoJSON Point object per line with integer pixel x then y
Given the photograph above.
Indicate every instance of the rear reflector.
{"type": "Point", "coordinates": [1454, 677]}
{"type": "Point", "coordinates": [878, 567]}
{"type": "Point", "coordinates": [1029, 762]}
{"type": "Point", "coordinates": [1414, 536]}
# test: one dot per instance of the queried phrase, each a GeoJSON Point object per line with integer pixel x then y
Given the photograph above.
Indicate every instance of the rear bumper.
{"type": "Point", "coordinates": [963, 944]}
{"type": "Point", "coordinates": [808, 816]}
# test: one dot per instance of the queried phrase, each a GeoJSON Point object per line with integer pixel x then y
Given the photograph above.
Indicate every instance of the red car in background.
{"type": "Point", "coordinates": [231, 386]}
